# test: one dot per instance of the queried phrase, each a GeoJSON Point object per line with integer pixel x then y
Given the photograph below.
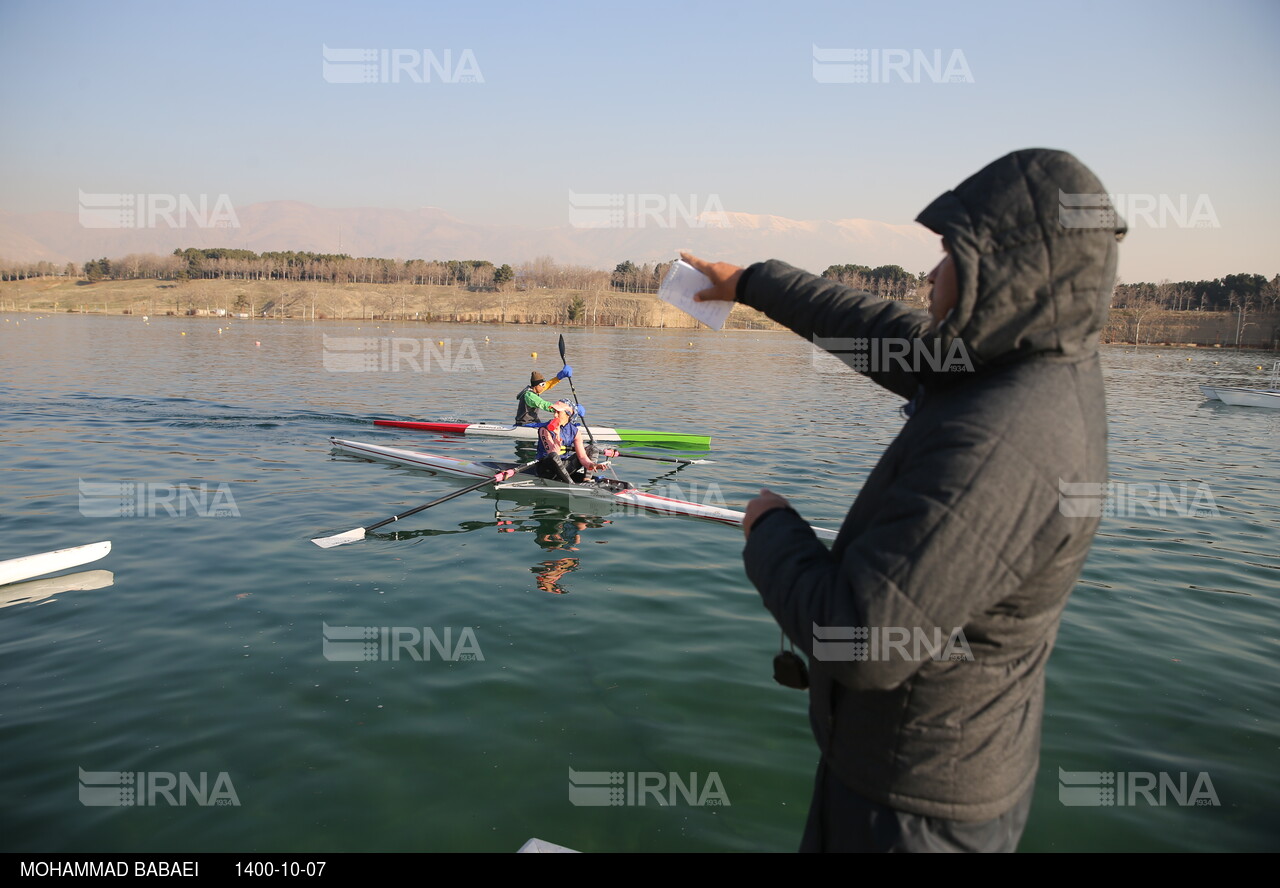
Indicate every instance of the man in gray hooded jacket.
{"type": "Point", "coordinates": [958, 527]}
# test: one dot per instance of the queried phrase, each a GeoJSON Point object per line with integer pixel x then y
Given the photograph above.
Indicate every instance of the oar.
{"type": "Point", "coordinates": [683, 462]}
{"type": "Point", "coordinates": [565, 361]}
{"type": "Point", "coordinates": [357, 534]}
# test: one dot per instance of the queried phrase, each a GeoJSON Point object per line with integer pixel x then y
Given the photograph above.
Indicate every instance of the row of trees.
{"type": "Point", "coordinates": [20, 271]}
{"type": "Point", "coordinates": [339, 268]}
{"type": "Point", "coordinates": [887, 281]}
{"type": "Point", "coordinates": [631, 278]}
{"type": "Point", "coordinates": [332, 268]}
{"type": "Point", "coordinates": [1241, 294]}
{"type": "Point", "coordinates": [1229, 293]}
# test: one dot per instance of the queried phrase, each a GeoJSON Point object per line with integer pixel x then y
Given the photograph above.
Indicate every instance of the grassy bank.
{"type": "Point", "coordinates": [285, 299]}
{"type": "Point", "coordinates": [558, 307]}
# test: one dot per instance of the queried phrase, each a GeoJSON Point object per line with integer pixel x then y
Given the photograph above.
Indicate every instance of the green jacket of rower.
{"type": "Point", "coordinates": [528, 404]}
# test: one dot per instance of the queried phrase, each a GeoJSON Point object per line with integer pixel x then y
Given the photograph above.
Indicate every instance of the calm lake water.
{"type": "Point", "coordinates": [618, 643]}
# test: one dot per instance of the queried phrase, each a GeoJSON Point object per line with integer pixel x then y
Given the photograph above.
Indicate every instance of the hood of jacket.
{"type": "Point", "coordinates": [1035, 242]}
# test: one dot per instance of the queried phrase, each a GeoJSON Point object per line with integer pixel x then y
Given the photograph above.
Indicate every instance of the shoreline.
{"type": "Point", "coordinates": [1216, 348]}
{"type": "Point", "coordinates": [421, 303]}
{"type": "Point", "coordinates": [239, 300]}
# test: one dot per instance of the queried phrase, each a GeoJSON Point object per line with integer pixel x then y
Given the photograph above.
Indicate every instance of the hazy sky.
{"type": "Point", "coordinates": [1159, 98]}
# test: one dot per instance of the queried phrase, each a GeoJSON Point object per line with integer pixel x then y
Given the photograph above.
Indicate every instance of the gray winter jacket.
{"type": "Point", "coordinates": [959, 524]}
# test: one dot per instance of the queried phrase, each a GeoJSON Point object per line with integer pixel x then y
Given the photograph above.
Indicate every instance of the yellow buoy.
{"type": "Point", "coordinates": [184, 334]}
{"type": "Point", "coordinates": [441, 342]}
{"type": "Point", "coordinates": [533, 355]}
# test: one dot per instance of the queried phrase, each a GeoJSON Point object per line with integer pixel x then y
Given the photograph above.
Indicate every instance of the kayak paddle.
{"type": "Point", "coordinates": [565, 361]}
{"type": "Point", "coordinates": [357, 534]}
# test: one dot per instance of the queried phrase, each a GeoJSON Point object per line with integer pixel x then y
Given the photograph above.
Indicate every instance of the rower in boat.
{"type": "Point", "coordinates": [530, 399]}
{"type": "Point", "coordinates": [562, 456]}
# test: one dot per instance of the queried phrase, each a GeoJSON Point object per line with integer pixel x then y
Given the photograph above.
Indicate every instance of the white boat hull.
{"type": "Point", "coordinates": [1250, 397]}
{"type": "Point", "coordinates": [628, 499]}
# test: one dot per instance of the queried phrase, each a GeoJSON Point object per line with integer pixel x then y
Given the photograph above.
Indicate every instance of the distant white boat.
{"type": "Point", "coordinates": [1238, 395]}
{"type": "Point", "coordinates": [1214, 392]}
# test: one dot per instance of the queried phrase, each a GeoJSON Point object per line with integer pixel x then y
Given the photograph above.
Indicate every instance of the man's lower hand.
{"type": "Point", "coordinates": [765, 502]}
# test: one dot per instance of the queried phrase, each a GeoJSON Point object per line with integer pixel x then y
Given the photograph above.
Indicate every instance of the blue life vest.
{"type": "Point", "coordinates": [568, 434]}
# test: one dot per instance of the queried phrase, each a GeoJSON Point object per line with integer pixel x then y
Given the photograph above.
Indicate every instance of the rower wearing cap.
{"type": "Point", "coordinates": [530, 399]}
{"type": "Point", "coordinates": [561, 454]}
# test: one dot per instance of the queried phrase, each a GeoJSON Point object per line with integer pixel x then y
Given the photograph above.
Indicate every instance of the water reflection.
{"type": "Point", "coordinates": [33, 591]}
{"type": "Point", "coordinates": [554, 530]}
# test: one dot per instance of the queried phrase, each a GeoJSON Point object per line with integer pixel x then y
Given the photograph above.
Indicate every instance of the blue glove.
{"type": "Point", "coordinates": [565, 373]}
{"type": "Point", "coordinates": [578, 410]}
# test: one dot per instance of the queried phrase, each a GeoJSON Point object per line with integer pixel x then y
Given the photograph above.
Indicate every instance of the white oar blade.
{"type": "Point", "coordinates": [341, 539]}
{"type": "Point", "coordinates": [15, 570]}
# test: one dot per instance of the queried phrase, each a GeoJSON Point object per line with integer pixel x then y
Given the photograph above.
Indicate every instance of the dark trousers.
{"type": "Point", "coordinates": [842, 820]}
{"type": "Point", "coordinates": [568, 470]}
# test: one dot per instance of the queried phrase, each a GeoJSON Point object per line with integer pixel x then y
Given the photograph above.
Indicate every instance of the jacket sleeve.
{"type": "Point", "coordinates": [951, 536]}
{"type": "Point", "coordinates": [821, 309]}
{"type": "Point", "coordinates": [534, 400]}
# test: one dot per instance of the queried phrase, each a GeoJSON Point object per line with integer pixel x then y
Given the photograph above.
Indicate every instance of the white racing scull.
{"type": "Point", "coordinates": [618, 493]}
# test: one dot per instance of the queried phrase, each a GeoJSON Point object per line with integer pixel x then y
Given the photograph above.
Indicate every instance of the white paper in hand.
{"type": "Point", "coordinates": [682, 281]}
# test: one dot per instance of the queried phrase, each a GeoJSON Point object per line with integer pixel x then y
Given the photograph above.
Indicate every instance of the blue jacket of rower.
{"type": "Point", "coordinates": [568, 433]}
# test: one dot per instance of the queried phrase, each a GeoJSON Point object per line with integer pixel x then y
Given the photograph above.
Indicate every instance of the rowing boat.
{"type": "Point", "coordinates": [618, 493]}
{"type": "Point", "coordinates": [17, 569]}
{"type": "Point", "coordinates": [530, 432]}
